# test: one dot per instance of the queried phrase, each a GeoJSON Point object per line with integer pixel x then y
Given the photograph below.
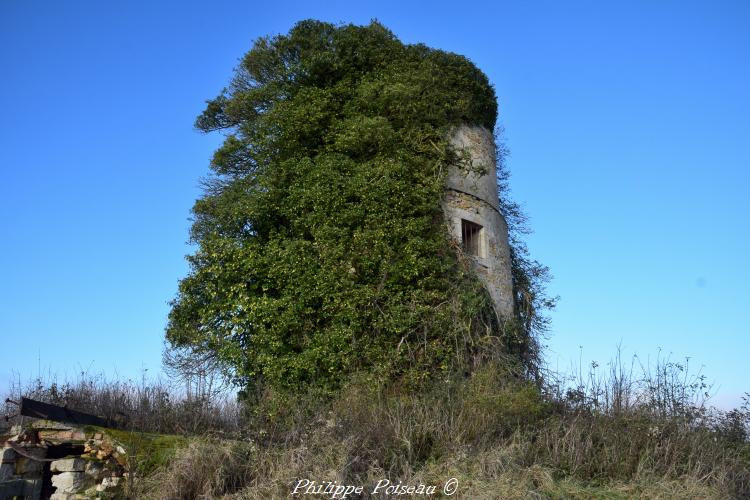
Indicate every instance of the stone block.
{"type": "Point", "coordinates": [62, 436]}
{"type": "Point", "coordinates": [51, 424]}
{"type": "Point", "coordinates": [68, 482]}
{"type": "Point", "coordinates": [108, 482]}
{"type": "Point", "coordinates": [68, 465]}
{"type": "Point", "coordinates": [104, 451]}
{"type": "Point", "coordinates": [64, 496]}
{"type": "Point", "coordinates": [94, 469]}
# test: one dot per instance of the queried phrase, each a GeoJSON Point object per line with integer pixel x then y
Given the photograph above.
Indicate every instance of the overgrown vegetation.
{"type": "Point", "coordinates": [322, 250]}
{"type": "Point", "coordinates": [632, 431]}
{"type": "Point", "coordinates": [139, 406]}
{"type": "Point", "coordinates": [366, 349]}
{"type": "Point", "coordinates": [645, 434]}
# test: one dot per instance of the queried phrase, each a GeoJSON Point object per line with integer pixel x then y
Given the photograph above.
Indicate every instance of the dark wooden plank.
{"type": "Point", "coordinates": [37, 409]}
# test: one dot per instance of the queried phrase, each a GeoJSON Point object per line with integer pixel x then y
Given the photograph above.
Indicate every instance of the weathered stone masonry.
{"type": "Point", "coordinates": [45, 459]}
{"type": "Point", "coordinates": [472, 211]}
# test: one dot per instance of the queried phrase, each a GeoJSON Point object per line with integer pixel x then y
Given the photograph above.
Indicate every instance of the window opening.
{"type": "Point", "coordinates": [471, 238]}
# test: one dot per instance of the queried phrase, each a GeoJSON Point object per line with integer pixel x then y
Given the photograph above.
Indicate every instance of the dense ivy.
{"type": "Point", "coordinates": [321, 244]}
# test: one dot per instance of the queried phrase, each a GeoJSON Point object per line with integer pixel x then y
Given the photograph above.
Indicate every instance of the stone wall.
{"type": "Point", "coordinates": [472, 196]}
{"type": "Point", "coordinates": [58, 461]}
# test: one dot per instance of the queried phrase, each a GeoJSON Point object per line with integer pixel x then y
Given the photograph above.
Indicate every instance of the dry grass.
{"type": "Point", "coordinates": [147, 406]}
{"type": "Point", "coordinates": [495, 434]}
{"type": "Point", "coordinates": [611, 435]}
{"type": "Point", "coordinates": [206, 468]}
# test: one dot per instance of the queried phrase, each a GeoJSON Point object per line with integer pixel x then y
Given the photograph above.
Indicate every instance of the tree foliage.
{"type": "Point", "coordinates": [321, 245]}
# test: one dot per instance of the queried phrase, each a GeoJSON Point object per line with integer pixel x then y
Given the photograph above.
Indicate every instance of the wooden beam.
{"type": "Point", "coordinates": [37, 409]}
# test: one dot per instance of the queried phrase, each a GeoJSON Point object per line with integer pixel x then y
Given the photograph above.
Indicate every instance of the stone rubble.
{"type": "Point", "coordinates": [93, 468]}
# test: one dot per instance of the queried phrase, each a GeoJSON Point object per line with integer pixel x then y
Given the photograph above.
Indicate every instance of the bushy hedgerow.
{"type": "Point", "coordinates": [321, 244]}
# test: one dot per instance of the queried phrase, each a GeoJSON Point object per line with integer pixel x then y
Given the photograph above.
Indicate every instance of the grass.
{"type": "Point", "coordinates": [147, 451]}
{"type": "Point", "coordinates": [145, 406]}
{"type": "Point", "coordinates": [499, 436]}
{"type": "Point", "coordinates": [624, 433]}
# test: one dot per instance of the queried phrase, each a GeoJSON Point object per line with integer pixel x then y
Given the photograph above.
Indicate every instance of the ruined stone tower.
{"type": "Point", "coordinates": [472, 211]}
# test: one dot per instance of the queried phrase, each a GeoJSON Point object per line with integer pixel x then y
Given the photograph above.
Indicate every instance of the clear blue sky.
{"type": "Point", "coordinates": [628, 123]}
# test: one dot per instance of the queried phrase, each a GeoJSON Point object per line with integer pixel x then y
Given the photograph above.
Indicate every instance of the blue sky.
{"type": "Point", "coordinates": [628, 125]}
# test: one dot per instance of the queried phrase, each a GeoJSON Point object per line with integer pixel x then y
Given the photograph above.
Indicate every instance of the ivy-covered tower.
{"type": "Point", "coordinates": [472, 211]}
